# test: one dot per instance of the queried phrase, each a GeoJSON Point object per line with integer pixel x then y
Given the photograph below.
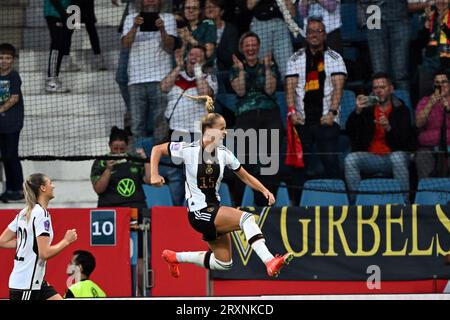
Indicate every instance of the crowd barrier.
{"type": "Point", "coordinates": [417, 239]}
{"type": "Point", "coordinates": [337, 251]}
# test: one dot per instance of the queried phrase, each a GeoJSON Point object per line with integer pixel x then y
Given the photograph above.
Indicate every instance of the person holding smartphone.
{"type": "Point", "coordinates": [381, 137]}
{"type": "Point", "coordinates": [150, 35]}
{"type": "Point", "coordinates": [433, 122]}
{"type": "Point", "coordinates": [118, 183]}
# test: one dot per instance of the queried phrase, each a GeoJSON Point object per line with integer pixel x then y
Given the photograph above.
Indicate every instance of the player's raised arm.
{"type": "Point", "coordinates": [255, 184]}
{"type": "Point", "coordinates": [157, 152]}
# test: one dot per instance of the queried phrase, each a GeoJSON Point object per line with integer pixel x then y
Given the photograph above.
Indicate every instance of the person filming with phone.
{"type": "Point", "coordinates": [381, 136]}
{"type": "Point", "coordinates": [150, 35]}
{"type": "Point", "coordinates": [433, 122]}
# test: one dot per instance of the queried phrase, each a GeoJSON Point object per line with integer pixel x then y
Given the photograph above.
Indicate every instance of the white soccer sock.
{"type": "Point", "coordinates": [195, 257]}
{"type": "Point", "coordinates": [198, 258]}
{"type": "Point", "coordinates": [254, 236]}
{"type": "Point", "coordinates": [215, 264]}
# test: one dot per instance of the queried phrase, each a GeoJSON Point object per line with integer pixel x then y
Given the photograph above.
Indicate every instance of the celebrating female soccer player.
{"type": "Point", "coordinates": [204, 163]}
{"type": "Point", "coordinates": [31, 234]}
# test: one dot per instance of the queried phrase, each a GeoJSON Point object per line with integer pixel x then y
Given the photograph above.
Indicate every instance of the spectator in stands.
{"type": "Point", "coordinates": [80, 269]}
{"type": "Point", "coordinates": [314, 85]}
{"type": "Point", "coordinates": [434, 37]}
{"type": "Point", "coordinates": [227, 42]}
{"type": "Point", "coordinates": [108, 175]}
{"type": "Point", "coordinates": [433, 122]}
{"type": "Point", "coordinates": [381, 136]}
{"type": "Point", "coordinates": [255, 82]}
{"type": "Point", "coordinates": [389, 42]}
{"type": "Point", "coordinates": [183, 113]}
{"type": "Point", "coordinates": [330, 12]}
{"type": "Point", "coordinates": [118, 183]}
{"type": "Point", "coordinates": [150, 61]}
{"type": "Point", "coordinates": [56, 16]}
{"type": "Point", "coordinates": [88, 18]}
{"type": "Point", "coordinates": [269, 25]}
{"type": "Point", "coordinates": [187, 78]}
{"type": "Point", "coordinates": [198, 31]}
{"type": "Point", "coordinates": [11, 123]}
{"type": "Point", "coordinates": [122, 65]}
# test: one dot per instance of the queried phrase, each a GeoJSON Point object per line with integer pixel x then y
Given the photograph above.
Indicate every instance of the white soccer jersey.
{"type": "Point", "coordinates": [28, 272]}
{"type": "Point", "coordinates": [296, 67]}
{"type": "Point", "coordinates": [203, 171]}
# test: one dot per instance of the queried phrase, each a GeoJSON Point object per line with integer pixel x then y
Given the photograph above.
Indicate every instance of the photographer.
{"type": "Point", "coordinates": [107, 175]}
{"type": "Point", "coordinates": [380, 135]}
{"type": "Point", "coordinates": [433, 122]}
{"type": "Point", "coordinates": [118, 183]}
{"type": "Point", "coordinates": [150, 36]}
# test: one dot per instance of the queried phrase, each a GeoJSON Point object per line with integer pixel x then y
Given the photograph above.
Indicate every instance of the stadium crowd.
{"type": "Point", "coordinates": [288, 66]}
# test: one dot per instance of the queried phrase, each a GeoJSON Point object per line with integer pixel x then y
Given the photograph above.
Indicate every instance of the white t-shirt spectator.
{"type": "Point", "coordinates": [332, 20]}
{"type": "Point", "coordinates": [185, 114]}
{"type": "Point", "coordinates": [296, 67]}
{"type": "Point", "coordinates": [148, 60]}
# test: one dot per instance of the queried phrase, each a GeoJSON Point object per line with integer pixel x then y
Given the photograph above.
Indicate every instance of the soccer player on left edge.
{"type": "Point", "coordinates": [31, 234]}
{"type": "Point", "coordinates": [204, 163]}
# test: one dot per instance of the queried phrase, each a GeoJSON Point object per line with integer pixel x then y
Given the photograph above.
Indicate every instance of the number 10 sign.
{"type": "Point", "coordinates": [103, 227]}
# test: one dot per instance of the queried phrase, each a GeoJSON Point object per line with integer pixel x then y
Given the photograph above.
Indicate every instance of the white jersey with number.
{"type": "Point", "coordinates": [203, 171]}
{"type": "Point", "coordinates": [28, 272]}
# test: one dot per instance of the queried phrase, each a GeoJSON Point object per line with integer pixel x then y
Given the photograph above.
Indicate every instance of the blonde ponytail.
{"type": "Point", "coordinates": [31, 191]}
{"type": "Point", "coordinates": [209, 102]}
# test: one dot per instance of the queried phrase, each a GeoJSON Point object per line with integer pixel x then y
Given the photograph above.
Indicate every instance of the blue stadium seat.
{"type": "Point", "coordinates": [225, 197]}
{"type": "Point", "coordinates": [248, 200]}
{"type": "Point", "coordinates": [158, 196]}
{"type": "Point", "coordinates": [333, 194]}
{"type": "Point", "coordinates": [426, 195]}
{"type": "Point", "coordinates": [348, 104]}
{"type": "Point", "coordinates": [379, 185]}
{"type": "Point", "coordinates": [227, 100]}
{"type": "Point", "coordinates": [282, 197]}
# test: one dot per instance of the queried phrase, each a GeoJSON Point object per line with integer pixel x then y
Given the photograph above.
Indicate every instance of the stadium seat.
{"type": "Point", "coordinates": [225, 197]}
{"type": "Point", "coordinates": [333, 194]}
{"type": "Point", "coordinates": [158, 196]}
{"type": "Point", "coordinates": [248, 200]}
{"type": "Point", "coordinates": [348, 104]}
{"type": "Point", "coordinates": [379, 185]}
{"type": "Point", "coordinates": [282, 197]}
{"type": "Point", "coordinates": [425, 194]}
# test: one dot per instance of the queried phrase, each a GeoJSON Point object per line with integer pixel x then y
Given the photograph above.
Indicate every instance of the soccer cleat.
{"type": "Point", "coordinates": [171, 259]}
{"type": "Point", "coordinates": [274, 265]}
